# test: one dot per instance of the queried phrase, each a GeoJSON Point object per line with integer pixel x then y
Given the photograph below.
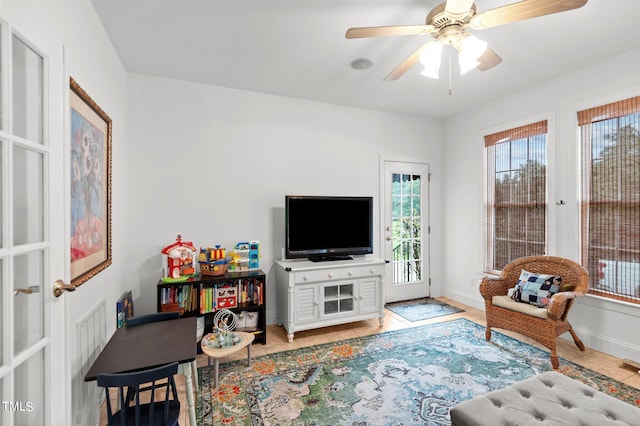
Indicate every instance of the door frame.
{"type": "Point", "coordinates": [56, 380]}
{"type": "Point", "coordinates": [426, 244]}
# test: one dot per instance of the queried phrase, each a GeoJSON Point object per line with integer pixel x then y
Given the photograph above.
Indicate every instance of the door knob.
{"type": "Point", "coordinates": [59, 287]}
{"type": "Point", "coordinates": [28, 290]}
{"type": "Point", "coordinates": [388, 238]}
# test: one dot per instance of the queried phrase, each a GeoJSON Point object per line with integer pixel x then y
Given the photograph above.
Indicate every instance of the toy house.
{"type": "Point", "coordinates": [179, 259]}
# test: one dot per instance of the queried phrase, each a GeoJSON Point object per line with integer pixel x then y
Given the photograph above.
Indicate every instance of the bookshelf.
{"type": "Point", "coordinates": [242, 292]}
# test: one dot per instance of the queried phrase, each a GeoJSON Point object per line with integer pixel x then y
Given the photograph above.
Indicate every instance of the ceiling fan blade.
{"type": "Point", "coordinates": [488, 59]}
{"type": "Point", "coordinates": [522, 10]}
{"type": "Point", "coordinates": [458, 7]}
{"type": "Point", "coordinates": [406, 64]}
{"type": "Point", "coordinates": [397, 30]}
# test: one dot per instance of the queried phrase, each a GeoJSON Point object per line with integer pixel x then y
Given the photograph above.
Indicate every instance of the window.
{"type": "Point", "coordinates": [610, 209]}
{"type": "Point", "coordinates": [516, 194]}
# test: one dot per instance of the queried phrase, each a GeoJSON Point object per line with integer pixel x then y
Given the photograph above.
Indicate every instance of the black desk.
{"type": "Point", "coordinates": [151, 345]}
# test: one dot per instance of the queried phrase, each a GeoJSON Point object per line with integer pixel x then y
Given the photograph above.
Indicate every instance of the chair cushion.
{"type": "Point", "coordinates": [536, 289]}
{"type": "Point", "coordinates": [525, 308]}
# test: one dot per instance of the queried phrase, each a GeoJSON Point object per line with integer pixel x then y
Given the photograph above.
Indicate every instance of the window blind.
{"type": "Point", "coordinates": [610, 207]}
{"type": "Point", "coordinates": [516, 194]}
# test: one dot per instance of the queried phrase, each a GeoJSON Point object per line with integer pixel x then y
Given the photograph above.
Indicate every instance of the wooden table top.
{"type": "Point", "coordinates": [147, 346]}
{"type": "Point", "coordinates": [215, 352]}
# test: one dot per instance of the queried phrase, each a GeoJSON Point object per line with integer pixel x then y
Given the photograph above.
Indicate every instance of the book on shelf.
{"type": "Point", "coordinates": [207, 300]}
{"type": "Point", "coordinates": [178, 298]}
{"type": "Point", "coordinates": [223, 295]}
{"type": "Point", "coordinates": [250, 292]}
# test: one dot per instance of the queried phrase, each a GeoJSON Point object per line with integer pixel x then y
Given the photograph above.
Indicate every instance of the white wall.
{"type": "Point", "coordinates": [603, 325]}
{"type": "Point", "coordinates": [214, 164]}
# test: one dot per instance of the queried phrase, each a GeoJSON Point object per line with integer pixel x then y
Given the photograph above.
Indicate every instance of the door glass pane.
{"type": "Point", "coordinates": [2, 167]}
{"type": "Point", "coordinates": [28, 301]}
{"type": "Point", "coordinates": [1, 97]}
{"type": "Point", "coordinates": [2, 398]}
{"type": "Point", "coordinates": [406, 223]}
{"type": "Point", "coordinates": [27, 92]}
{"type": "Point", "coordinates": [29, 392]}
{"type": "Point", "coordinates": [28, 205]}
{"type": "Point", "coordinates": [2, 301]}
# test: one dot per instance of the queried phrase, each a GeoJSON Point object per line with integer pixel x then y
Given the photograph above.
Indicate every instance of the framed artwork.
{"type": "Point", "coordinates": [90, 186]}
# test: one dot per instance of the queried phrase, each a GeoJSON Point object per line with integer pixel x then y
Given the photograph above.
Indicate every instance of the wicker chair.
{"type": "Point", "coordinates": [540, 324]}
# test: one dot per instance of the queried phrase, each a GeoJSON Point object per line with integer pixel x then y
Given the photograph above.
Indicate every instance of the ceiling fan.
{"type": "Point", "coordinates": [449, 24]}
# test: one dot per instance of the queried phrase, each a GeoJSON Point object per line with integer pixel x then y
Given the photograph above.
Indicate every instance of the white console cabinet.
{"type": "Point", "coordinates": [320, 294]}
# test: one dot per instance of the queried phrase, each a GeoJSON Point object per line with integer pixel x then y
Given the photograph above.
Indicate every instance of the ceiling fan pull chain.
{"type": "Point", "coordinates": [449, 72]}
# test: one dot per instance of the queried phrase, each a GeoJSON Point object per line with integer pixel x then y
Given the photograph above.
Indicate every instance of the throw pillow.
{"type": "Point", "coordinates": [567, 287]}
{"type": "Point", "coordinates": [536, 289]}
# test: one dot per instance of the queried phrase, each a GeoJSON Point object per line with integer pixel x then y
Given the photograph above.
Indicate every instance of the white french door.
{"type": "Point", "coordinates": [33, 368]}
{"type": "Point", "coordinates": [405, 235]}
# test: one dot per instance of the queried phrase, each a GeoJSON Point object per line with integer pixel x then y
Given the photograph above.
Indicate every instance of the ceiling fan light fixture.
{"type": "Point", "coordinates": [467, 62]}
{"type": "Point", "coordinates": [430, 58]}
{"type": "Point", "coordinates": [431, 71]}
{"type": "Point", "coordinates": [472, 46]}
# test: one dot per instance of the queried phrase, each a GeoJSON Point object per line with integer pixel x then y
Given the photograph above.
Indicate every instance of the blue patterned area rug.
{"type": "Point", "coordinates": [405, 377]}
{"type": "Point", "coordinates": [421, 309]}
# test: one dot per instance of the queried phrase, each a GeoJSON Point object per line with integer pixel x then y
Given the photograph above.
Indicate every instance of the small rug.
{"type": "Point", "coordinates": [421, 309]}
{"type": "Point", "coordinates": [405, 377]}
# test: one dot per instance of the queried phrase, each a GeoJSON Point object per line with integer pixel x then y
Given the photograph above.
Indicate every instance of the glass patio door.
{"type": "Point", "coordinates": [32, 357]}
{"type": "Point", "coordinates": [405, 236]}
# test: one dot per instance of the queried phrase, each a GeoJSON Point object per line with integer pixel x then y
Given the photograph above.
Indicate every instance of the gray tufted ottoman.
{"type": "Point", "coordinates": [546, 399]}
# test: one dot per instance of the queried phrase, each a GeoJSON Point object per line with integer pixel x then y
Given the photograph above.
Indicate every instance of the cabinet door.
{"type": "Point", "coordinates": [338, 299]}
{"type": "Point", "coordinates": [369, 295]}
{"type": "Point", "coordinates": [306, 303]}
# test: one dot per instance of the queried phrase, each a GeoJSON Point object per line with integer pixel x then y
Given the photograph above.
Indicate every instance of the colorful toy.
{"type": "Point", "coordinates": [245, 256]}
{"type": "Point", "coordinates": [212, 261]}
{"type": "Point", "coordinates": [179, 259]}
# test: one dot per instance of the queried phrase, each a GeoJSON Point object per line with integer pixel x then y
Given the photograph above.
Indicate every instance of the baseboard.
{"type": "Point", "coordinates": [594, 340]}
{"type": "Point", "coordinates": [605, 344]}
{"type": "Point", "coordinates": [466, 298]}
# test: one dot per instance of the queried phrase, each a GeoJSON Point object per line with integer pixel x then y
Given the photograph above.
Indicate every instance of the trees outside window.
{"type": "Point", "coordinates": [407, 227]}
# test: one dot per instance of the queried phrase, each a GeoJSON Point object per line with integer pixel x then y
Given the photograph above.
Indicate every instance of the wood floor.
{"type": "Point", "coordinates": [277, 341]}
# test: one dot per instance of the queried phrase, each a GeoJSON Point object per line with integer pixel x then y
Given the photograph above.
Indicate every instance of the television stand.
{"type": "Point", "coordinates": [313, 295]}
{"type": "Point", "coordinates": [330, 258]}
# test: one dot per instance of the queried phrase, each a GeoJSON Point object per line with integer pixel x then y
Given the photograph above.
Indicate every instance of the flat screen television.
{"type": "Point", "coordinates": [328, 228]}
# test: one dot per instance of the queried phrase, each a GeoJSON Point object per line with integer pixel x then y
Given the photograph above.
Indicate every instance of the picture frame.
{"type": "Point", "coordinates": [90, 161]}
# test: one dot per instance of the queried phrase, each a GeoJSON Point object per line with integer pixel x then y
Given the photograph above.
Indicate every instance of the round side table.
{"type": "Point", "coordinates": [216, 350]}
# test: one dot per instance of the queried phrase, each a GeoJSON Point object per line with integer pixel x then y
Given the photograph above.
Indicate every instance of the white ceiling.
{"type": "Point", "coordinates": [297, 48]}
